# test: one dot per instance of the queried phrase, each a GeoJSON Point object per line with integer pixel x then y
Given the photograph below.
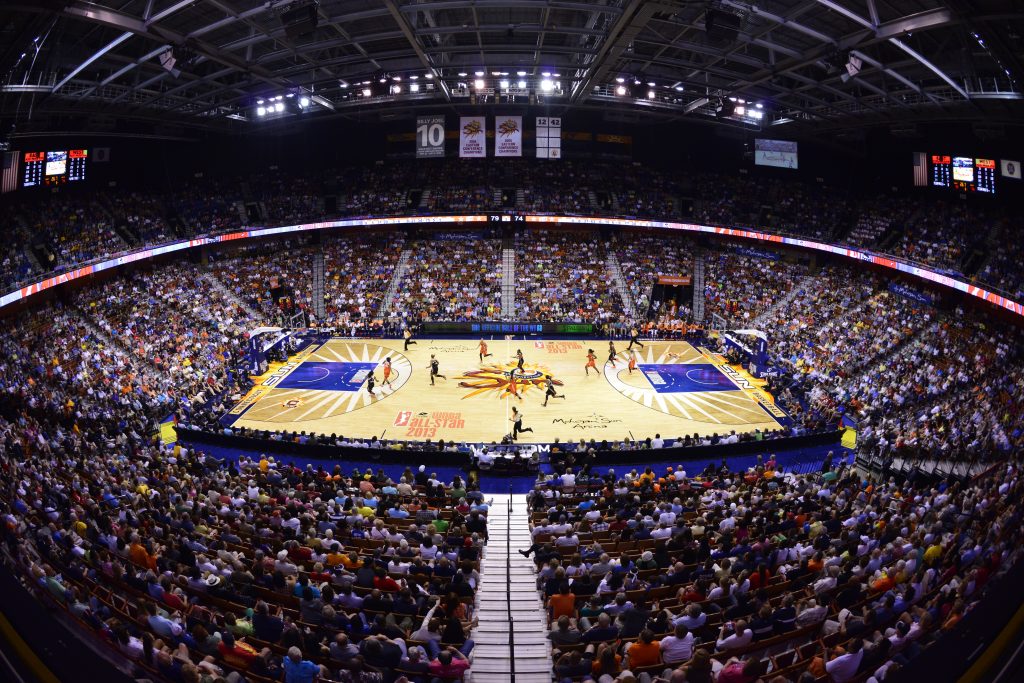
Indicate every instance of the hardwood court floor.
{"type": "Point", "coordinates": [676, 389]}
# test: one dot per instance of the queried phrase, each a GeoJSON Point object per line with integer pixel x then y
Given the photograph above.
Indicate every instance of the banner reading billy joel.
{"type": "Point", "coordinates": [472, 136]}
{"type": "Point", "coordinates": [508, 136]}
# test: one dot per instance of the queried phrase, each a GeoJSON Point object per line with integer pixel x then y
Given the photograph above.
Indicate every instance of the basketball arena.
{"type": "Point", "coordinates": [511, 341]}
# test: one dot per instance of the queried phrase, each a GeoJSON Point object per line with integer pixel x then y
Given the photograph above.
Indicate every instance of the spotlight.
{"type": "Point", "coordinates": [521, 85]}
{"type": "Point", "coordinates": [429, 76]}
{"type": "Point", "coordinates": [620, 90]}
{"type": "Point", "coordinates": [413, 78]}
{"type": "Point", "coordinates": [547, 85]}
{"type": "Point", "coordinates": [478, 73]}
{"type": "Point", "coordinates": [259, 101]}
{"type": "Point", "coordinates": [650, 84]}
{"type": "Point", "coordinates": [520, 73]}
{"type": "Point", "coordinates": [620, 79]}
{"type": "Point", "coordinates": [279, 106]}
{"type": "Point", "coordinates": [261, 111]}
{"type": "Point", "coordinates": [303, 102]}
{"type": "Point", "coordinates": [504, 85]}
{"type": "Point", "coordinates": [366, 92]}
{"type": "Point", "coordinates": [650, 94]}
{"type": "Point", "coordinates": [478, 84]}
{"type": "Point", "coordinates": [415, 87]}
{"type": "Point", "coordinates": [396, 90]}
{"type": "Point", "coordinates": [462, 74]}
{"type": "Point", "coordinates": [496, 73]}
{"type": "Point", "coordinates": [679, 88]}
{"type": "Point", "coordinates": [545, 74]}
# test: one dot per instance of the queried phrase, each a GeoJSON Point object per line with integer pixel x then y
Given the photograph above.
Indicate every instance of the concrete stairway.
{"type": "Point", "coordinates": [784, 301]}
{"type": "Point", "coordinates": [615, 273]}
{"type": "Point", "coordinates": [508, 603]}
{"type": "Point", "coordinates": [396, 280]}
{"type": "Point", "coordinates": [227, 293]}
{"type": "Point", "coordinates": [508, 283]}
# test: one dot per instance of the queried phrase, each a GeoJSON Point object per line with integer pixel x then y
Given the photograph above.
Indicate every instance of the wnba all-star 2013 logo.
{"type": "Point", "coordinates": [497, 379]}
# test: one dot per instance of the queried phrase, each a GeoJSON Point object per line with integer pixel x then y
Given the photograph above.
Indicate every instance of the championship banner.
{"type": "Point", "coordinates": [549, 137]}
{"type": "Point", "coordinates": [508, 137]}
{"type": "Point", "coordinates": [472, 136]}
{"type": "Point", "coordinates": [430, 137]}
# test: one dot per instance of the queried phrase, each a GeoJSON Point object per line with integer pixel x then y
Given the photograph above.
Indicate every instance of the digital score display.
{"type": "Point", "coordinates": [941, 173]}
{"type": "Point", "coordinates": [53, 168]}
{"type": "Point", "coordinates": [966, 174]}
{"type": "Point", "coordinates": [985, 175]}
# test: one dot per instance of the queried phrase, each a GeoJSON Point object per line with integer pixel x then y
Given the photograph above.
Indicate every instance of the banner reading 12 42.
{"type": "Point", "coordinates": [429, 137]}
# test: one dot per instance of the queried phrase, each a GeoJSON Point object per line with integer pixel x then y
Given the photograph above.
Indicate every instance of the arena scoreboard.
{"type": "Point", "coordinates": [967, 174]}
{"type": "Point", "coordinates": [55, 167]}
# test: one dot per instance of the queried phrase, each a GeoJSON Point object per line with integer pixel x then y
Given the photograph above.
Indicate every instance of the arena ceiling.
{"type": "Point", "coordinates": [800, 65]}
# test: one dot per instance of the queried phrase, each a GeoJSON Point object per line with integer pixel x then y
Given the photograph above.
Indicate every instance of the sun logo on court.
{"type": "Point", "coordinates": [497, 379]}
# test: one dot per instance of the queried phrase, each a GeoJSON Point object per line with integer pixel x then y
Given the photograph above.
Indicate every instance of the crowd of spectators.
{"type": "Point", "coordinates": [741, 286]}
{"type": "Point", "coordinates": [761, 574]}
{"type": "Point", "coordinates": [942, 233]}
{"type": "Point", "coordinates": [455, 279]}
{"type": "Point", "coordinates": [563, 277]}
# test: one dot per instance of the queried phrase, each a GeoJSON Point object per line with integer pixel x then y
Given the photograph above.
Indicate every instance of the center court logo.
{"type": "Point", "coordinates": [496, 379]}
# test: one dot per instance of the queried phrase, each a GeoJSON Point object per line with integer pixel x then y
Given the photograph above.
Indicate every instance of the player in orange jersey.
{"type": "Point", "coordinates": [483, 350]}
{"type": "Point", "coordinates": [632, 362]}
{"type": "Point", "coordinates": [513, 387]}
{"type": "Point", "coordinates": [387, 372]}
{"type": "Point", "coordinates": [591, 361]}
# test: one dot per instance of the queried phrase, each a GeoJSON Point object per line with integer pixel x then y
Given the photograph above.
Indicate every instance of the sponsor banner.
{"type": "Point", "coordinates": [758, 253]}
{"type": "Point", "coordinates": [508, 136]}
{"type": "Point", "coordinates": [472, 136]}
{"type": "Point", "coordinates": [675, 280]}
{"type": "Point", "coordinates": [910, 293]}
{"type": "Point", "coordinates": [1010, 168]}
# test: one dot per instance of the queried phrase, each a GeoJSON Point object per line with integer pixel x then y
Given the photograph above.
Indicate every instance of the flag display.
{"type": "Point", "coordinates": [472, 136]}
{"type": "Point", "coordinates": [508, 136]}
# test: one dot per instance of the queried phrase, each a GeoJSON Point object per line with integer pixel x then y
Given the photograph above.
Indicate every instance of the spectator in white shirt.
{"type": "Point", "coordinates": [678, 647]}
{"type": "Point", "coordinates": [741, 637]}
{"type": "Point", "coordinates": [844, 667]}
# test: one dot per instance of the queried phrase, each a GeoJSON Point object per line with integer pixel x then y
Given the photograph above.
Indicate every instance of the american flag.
{"type": "Point", "coordinates": [10, 177]}
{"type": "Point", "coordinates": [920, 169]}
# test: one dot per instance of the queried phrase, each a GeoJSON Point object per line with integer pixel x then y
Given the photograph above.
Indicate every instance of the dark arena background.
{"type": "Point", "coordinates": [494, 341]}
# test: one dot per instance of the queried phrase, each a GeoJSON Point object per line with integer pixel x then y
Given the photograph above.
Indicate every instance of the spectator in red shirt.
{"type": "Point", "coordinates": [384, 582]}
{"type": "Point", "coordinates": [449, 663]}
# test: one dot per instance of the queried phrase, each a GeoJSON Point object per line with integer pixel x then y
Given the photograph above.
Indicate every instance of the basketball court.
{"type": "Point", "coordinates": [676, 389]}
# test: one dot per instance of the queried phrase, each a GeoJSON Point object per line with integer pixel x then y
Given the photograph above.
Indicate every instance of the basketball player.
{"type": "Point", "coordinates": [517, 423]}
{"type": "Point", "coordinates": [550, 390]}
{"type": "Point", "coordinates": [632, 362]}
{"type": "Point", "coordinates": [591, 362]}
{"type": "Point", "coordinates": [407, 333]}
{"type": "Point", "coordinates": [519, 360]}
{"type": "Point", "coordinates": [513, 387]}
{"type": "Point", "coordinates": [483, 350]}
{"type": "Point", "coordinates": [634, 338]}
{"type": "Point", "coordinates": [387, 372]}
{"type": "Point", "coordinates": [434, 365]}
{"type": "Point", "coordinates": [611, 353]}
{"type": "Point", "coordinates": [370, 383]}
